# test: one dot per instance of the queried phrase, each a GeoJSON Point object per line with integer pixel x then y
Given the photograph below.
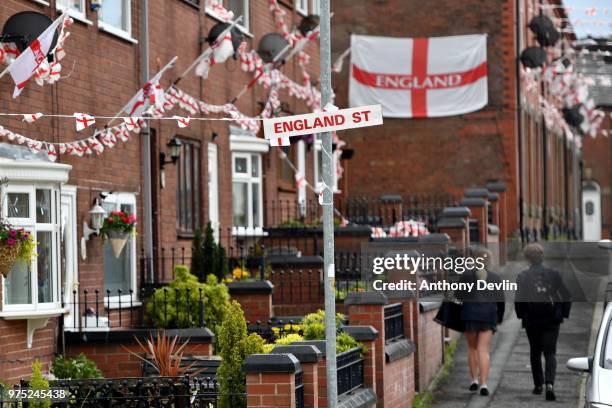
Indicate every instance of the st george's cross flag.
{"type": "Point", "coordinates": [419, 77]}
{"type": "Point", "coordinates": [28, 61]}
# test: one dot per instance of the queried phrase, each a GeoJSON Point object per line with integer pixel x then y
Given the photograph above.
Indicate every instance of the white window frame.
{"type": "Point", "coordinates": [126, 199]}
{"type": "Point", "coordinates": [77, 15]}
{"type": "Point", "coordinates": [316, 7]}
{"type": "Point", "coordinates": [34, 308]}
{"type": "Point", "coordinates": [249, 179]}
{"type": "Point", "coordinates": [301, 6]}
{"type": "Point", "coordinates": [318, 149]}
{"type": "Point", "coordinates": [244, 26]}
{"type": "Point", "coordinates": [119, 32]}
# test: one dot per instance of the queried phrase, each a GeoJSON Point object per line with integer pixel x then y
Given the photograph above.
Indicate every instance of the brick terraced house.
{"type": "Point", "coordinates": [508, 140]}
{"type": "Point", "coordinates": [224, 175]}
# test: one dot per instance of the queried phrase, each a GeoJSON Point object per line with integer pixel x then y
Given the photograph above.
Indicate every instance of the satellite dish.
{"type": "Point", "coordinates": [271, 46]}
{"type": "Point", "coordinates": [24, 27]}
{"type": "Point", "coordinates": [572, 115]}
{"type": "Point", "coordinates": [544, 30]}
{"type": "Point", "coordinates": [308, 24]}
{"type": "Point", "coordinates": [217, 29]}
{"type": "Point", "coordinates": [533, 57]}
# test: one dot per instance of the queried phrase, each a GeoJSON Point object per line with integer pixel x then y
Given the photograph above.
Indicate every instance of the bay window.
{"type": "Point", "coordinates": [34, 286]}
{"type": "Point", "coordinates": [120, 272]}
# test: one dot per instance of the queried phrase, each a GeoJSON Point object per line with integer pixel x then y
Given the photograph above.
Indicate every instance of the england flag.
{"type": "Point", "coordinates": [419, 77]}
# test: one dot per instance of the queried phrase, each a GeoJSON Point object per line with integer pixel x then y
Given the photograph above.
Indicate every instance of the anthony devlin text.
{"type": "Point", "coordinates": [444, 285]}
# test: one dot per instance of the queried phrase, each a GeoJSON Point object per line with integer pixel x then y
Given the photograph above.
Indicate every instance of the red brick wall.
{"type": "Point", "coordinates": [476, 146]}
{"type": "Point", "coordinates": [399, 383]}
{"type": "Point", "coordinates": [268, 390]}
{"type": "Point", "coordinates": [256, 306]}
{"type": "Point", "coordinates": [429, 348]}
{"type": "Point", "coordinates": [15, 359]}
{"type": "Point", "coordinates": [115, 361]}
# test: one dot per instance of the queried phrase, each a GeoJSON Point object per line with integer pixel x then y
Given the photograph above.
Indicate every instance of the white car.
{"type": "Point", "coordinates": [599, 366]}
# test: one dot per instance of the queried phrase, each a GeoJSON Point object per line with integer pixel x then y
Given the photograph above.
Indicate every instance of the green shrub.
{"type": "Point", "coordinates": [313, 325]}
{"type": "Point", "coordinates": [345, 342]}
{"type": "Point", "coordinates": [38, 382]}
{"type": "Point", "coordinates": [234, 346]}
{"type": "Point", "coordinates": [215, 298]}
{"type": "Point", "coordinates": [78, 368]}
{"type": "Point", "coordinates": [208, 257]}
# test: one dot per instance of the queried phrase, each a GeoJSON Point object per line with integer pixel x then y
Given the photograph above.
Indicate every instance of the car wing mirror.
{"type": "Point", "coordinates": [580, 364]}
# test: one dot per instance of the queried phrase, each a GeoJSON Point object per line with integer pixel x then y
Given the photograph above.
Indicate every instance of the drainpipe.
{"type": "Point", "coordinates": [519, 124]}
{"type": "Point", "coordinates": [145, 140]}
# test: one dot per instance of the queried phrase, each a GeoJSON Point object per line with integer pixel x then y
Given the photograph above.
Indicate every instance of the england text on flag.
{"type": "Point", "coordinates": [28, 61]}
{"type": "Point", "coordinates": [419, 77]}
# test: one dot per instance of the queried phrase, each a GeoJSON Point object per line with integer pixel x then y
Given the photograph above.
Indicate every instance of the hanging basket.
{"type": "Point", "coordinates": [117, 240]}
{"type": "Point", "coordinates": [8, 257]}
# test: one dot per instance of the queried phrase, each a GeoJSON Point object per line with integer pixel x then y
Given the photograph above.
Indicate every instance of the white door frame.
{"type": "Point", "coordinates": [68, 223]}
{"type": "Point", "coordinates": [213, 189]}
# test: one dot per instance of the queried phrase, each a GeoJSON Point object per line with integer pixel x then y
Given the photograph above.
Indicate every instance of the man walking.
{"type": "Point", "coordinates": [542, 302]}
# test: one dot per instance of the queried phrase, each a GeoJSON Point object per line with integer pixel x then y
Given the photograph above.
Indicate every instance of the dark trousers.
{"type": "Point", "coordinates": [543, 340]}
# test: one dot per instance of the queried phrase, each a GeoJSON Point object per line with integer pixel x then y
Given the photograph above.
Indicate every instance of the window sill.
{"type": "Point", "coordinates": [116, 32]}
{"type": "Point", "coordinates": [242, 28]}
{"type": "Point", "coordinates": [192, 4]}
{"type": "Point", "coordinates": [75, 15]}
{"type": "Point", "coordinates": [32, 314]}
{"type": "Point", "coordinates": [112, 303]}
{"type": "Point", "coordinates": [41, 2]}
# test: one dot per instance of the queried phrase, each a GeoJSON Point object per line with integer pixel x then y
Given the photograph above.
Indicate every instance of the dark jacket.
{"type": "Point", "coordinates": [485, 306]}
{"type": "Point", "coordinates": [527, 305]}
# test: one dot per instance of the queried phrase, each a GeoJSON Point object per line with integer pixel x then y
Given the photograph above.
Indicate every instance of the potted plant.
{"type": "Point", "coordinates": [117, 228]}
{"type": "Point", "coordinates": [16, 244]}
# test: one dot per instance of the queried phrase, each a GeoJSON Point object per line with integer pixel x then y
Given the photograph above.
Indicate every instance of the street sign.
{"type": "Point", "coordinates": [283, 127]}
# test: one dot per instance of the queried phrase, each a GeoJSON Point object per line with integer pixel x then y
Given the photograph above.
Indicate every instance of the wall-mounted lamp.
{"type": "Point", "coordinates": [97, 214]}
{"type": "Point", "coordinates": [175, 153]}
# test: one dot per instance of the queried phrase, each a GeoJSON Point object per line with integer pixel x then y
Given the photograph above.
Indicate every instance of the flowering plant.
{"type": "Point", "coordinates": [19, 240]}
{"type": "Point", "coordinates": [16, 244]}
{"type": "Point", "coordinates": [119, 221]}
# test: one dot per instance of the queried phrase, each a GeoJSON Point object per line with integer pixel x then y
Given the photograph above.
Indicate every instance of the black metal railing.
{"type": "Point", "coordinates": [350, 368]}
{"type": "Point", "coordinates": [171, 308]}
{"type": "Point", "coordinates": [381, 212]}
{"type": "Point", "coordinates": [162, 392]}
{"type": "Point", "coordinates": [394, 322]}
{"type": "Point", "coordinates": [299, 389]}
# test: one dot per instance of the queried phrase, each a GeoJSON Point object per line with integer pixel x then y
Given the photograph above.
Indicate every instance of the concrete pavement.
{"type": "Point", "coordinates": [510, 380]}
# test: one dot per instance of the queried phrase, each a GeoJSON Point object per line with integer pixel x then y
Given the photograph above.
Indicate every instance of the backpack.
{"type": "Point", "coordinates": [542, 296]}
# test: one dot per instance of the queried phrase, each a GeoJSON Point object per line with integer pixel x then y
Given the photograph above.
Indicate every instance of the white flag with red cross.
{"type": "Point", "coordinates": [83, 120]}
{"type": "Point", "coordinates": [419, 77]}
{"type": "Point", "coordinates": [28, 61]}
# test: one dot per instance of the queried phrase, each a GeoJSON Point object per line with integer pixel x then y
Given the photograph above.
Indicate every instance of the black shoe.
{"type": "Point", "coordinates": [474, 386]}
{"type": "Point", "coordinates": [537, 390]}
{"type": "Point", "coordinates": [550, 393]}
{"type": "Point", "coordinates": [484, 391]}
